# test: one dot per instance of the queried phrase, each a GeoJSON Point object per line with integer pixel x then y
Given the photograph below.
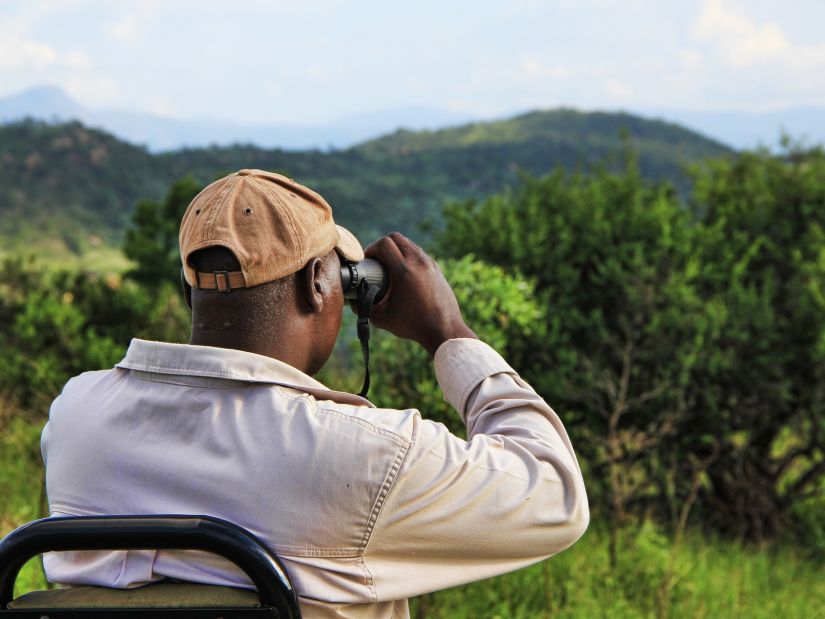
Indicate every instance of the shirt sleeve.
{"type": "Point", "coordinates": [458, 511]}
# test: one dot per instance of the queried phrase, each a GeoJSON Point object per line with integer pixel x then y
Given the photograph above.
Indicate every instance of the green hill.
{"type": "Point", "coordinates": [584, 131]}
{"type": "Point", "coordinates": [66, 188]}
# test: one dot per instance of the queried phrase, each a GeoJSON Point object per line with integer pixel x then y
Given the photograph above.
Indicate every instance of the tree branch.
{"type": "Point", "coordinates": [811, 475]}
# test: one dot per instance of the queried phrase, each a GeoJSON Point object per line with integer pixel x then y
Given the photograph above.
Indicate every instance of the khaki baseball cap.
{"type": "Point", "coordinates": [273, 225]}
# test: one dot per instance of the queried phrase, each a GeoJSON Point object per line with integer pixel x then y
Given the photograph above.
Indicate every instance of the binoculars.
{"type": "Point", "coordinates": [356, 275]}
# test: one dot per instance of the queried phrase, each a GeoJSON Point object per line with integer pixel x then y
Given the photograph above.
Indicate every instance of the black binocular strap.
{"type": "Point", "coordinates": [366, 297]}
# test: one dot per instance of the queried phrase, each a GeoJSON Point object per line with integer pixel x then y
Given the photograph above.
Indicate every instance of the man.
{"type": "Point", "coordinates": [366, 506]}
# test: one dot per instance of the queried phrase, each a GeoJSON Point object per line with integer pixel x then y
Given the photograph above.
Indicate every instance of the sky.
{"type": "Point", "coordinates": [313, 61]}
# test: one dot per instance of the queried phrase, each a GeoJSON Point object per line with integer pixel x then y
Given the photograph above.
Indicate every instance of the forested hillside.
{"type": "Point", "coordinates": [577, 131]}
{"type": "Point", "coordinates": [61, 183]}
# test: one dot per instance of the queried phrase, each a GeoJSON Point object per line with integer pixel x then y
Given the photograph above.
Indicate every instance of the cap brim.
{"type": "Point", "coordinates": [348, 246]}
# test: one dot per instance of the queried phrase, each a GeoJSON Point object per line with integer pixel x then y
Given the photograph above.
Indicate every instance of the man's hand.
{"type": "Point", "coordinates": [419, 304]}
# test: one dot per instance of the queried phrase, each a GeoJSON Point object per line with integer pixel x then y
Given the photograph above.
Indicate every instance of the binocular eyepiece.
{"type": "Point", "coordinates": [368, 272]}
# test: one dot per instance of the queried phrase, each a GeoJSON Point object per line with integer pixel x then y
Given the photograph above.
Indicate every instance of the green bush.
{"type": "Point", "coordinates": [498, 305]}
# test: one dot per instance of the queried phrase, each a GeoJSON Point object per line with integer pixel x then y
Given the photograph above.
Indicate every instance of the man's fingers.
{"type": "Point", "coordinates": [402, 242]}
{"type": "Point", "coordinates": [407, 247]}
{"type": "Point", "coordinates": [386, 251]}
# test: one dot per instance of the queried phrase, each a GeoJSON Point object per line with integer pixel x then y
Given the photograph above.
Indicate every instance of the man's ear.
{"type": "Point", "coordinates": [313, 286]}
{"type": "Point", "coordinates": [187, 290]}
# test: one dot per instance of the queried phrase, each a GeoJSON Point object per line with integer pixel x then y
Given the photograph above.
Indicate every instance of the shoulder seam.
{"type": "Point", "coordinates": [400, 439]}
{"type": "Point", "coordinates": [392, 475]}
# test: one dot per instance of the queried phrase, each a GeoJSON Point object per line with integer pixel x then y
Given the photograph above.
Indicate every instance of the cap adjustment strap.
{"type": "Point", "coordinates": [222, 281]}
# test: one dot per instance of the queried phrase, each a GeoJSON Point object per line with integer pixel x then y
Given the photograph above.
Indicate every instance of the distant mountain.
{"type": "Point", "coordinates": [584, 131]}
{"type": "Point", "coordinates": [44, 102]}
{"type": "Point", "coordinates": [71, 186]}
{"type": "Point", "coordinates": [160, 133]}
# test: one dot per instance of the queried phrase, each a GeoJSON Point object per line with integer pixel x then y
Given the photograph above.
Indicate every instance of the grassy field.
{"type": "Point", "coordinates": [703, 577]}
{"type": "Point", "coordinates": [710, 578]}
{"type": "Point", "coordinates": [52, 254]}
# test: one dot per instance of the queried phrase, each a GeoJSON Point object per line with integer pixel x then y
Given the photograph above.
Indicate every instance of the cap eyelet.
{"type": "Point", "coordinates": [248, 211]}
{"type": "Point", "coordinates": [197, 211]}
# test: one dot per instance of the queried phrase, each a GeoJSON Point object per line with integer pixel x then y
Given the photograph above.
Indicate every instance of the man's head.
{"type": "Point", "coordinates": [261, 255]}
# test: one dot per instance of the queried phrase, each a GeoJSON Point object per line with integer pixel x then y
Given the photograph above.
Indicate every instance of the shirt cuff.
{"type": "Point", "coordinates": [461, 364]}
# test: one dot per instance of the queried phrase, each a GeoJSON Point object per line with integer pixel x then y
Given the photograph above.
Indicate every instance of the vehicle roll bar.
{"type": "Point", "coordinates": [160, 532]}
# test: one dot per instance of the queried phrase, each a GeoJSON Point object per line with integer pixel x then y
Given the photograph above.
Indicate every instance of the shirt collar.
{"type": "Point", "coordinates": [227, 363]}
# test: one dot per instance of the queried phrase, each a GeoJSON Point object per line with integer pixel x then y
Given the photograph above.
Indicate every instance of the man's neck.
{"type": "Point", "coordinates": [283, 349]}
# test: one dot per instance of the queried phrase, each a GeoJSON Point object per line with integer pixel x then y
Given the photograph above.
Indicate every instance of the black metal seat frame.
{"type": "Point", "coordinates": [277, 596]}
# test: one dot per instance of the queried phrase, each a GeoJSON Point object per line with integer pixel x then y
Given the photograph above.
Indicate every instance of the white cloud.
{"type": "Point", "coordinates": [125, 29]}
{"type": "Point", "coordinates": [77, 60]}
{"type": "Point", "coordinates": [17, 53]}
{"type": "Point", "coordinates": [690, 58]}
{"type": "Point", "coordinates": [533, 67]}
{"type": "Point", "coordinates": [744, 42]}
{"type": "Point", "coordinates": [133, 20]}
{"type": "Point", "coordinates": [22, 51]}
{"type": "Point", "coordinates": [617, 89]}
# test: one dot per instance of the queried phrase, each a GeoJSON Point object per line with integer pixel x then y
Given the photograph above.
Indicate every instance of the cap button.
{"type": "Point", "coordinates": [244, 172]}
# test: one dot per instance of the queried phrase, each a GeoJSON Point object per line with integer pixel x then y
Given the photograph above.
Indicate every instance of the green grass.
{"type": "Point", "coordinates": [712, 578]}
{"type": "Point", "coordinates": [21, 483]}
{"type": "Point", "coordinates": [53, 254]}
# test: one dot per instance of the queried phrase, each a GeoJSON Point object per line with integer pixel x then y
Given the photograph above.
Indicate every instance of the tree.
{"type": "Point", "coordinates": [685, 343]}
{"type": "Point", "coordinates": [56, 325]}
{"type": "Point", "coordinates": [152, 238]}
{"type": "Point", "coordinates": [614, 264]}
{"type": "Point", "coordinates": [759, 393]}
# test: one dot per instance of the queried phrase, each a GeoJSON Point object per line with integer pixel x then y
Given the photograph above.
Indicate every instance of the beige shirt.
{"type": "Point", "coordinates": [365, 506]}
